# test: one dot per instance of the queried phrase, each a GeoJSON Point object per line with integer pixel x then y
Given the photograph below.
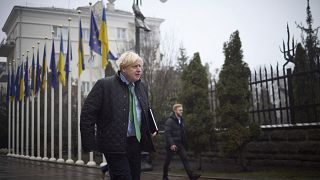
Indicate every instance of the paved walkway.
{"type": "Point", "coordinates": [16, 168]}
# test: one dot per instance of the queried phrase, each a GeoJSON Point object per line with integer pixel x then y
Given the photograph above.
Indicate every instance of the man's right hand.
{"type": "Point", "coordinates": [174, 148]}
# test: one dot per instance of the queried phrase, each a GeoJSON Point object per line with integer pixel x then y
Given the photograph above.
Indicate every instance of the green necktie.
{"type": "Point", "coordinates": [133, 112]}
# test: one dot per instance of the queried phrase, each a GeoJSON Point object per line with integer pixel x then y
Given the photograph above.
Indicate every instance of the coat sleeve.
{"type": "Point", "coordinates": [89, 117]}
{"type": "Point", "coordinates": [168, 132]}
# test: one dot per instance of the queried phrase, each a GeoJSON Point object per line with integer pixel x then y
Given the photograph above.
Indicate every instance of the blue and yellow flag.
{"type": "Point", "coordinates": [53, 68]}
{"type": "Point", "coordinates": [44, 69]}
{"type": "Point", "coordinates": [12, 85]}
{"type": "Point", "coordinates": [61, 72]}
{"type": "Point", "coordinates": [26, 79]}
{"type": "Point", "coordinates": [38, 82]}
{"type": "Point", "coordinates": [80, 51]}
{"type": "Point", "coordinates": [17, 81]}
{"type": "Point", "coordinates": [103, 37]}
{"type": "Point", "coordinates": [68, 58]}
{"type": "Point", "coordinates": [111, 56]}
{"type": "Point", "coordinates": [33, 76]}
{"type": "Point", "coordinates": [21, 83]}
{"type": "Point", "coordinates": [94, 43]}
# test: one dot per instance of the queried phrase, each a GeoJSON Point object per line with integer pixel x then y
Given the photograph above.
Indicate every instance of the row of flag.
{"type": "Point", "coordinates": [18, 85]}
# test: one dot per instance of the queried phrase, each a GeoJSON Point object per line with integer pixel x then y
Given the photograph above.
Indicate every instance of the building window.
{"type": "Point", "coordinates": [58, 30]}
{"type": "Point", "coordinates": [121, 34]}
{"type": "Point", "coordinates": [86, 34]}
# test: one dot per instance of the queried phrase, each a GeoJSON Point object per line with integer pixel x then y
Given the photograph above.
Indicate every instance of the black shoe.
{"type": "Point", "coordinates": [195, 176]}
{"type": "Point", "coordinates": [165, 178]}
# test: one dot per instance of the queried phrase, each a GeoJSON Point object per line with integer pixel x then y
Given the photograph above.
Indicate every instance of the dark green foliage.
{"type": "Point", "coordinates": [305, 88]}
{"type": "Point", "coordinates": [305, 80]}
{"type": "Point", "coordinates": [233, 85]}
{"type": "Point", "coordinates": [234, 97]}
{"type": "Point", "coordinates": [182, 60]}
{"type": "Point", "coordinates": [311, 42]}
{"type": "Point", "coordinates": [194, 97]}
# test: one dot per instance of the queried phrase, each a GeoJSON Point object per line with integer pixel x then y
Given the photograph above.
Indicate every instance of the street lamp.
{"type": "Point", "coordinates": [139, 23]}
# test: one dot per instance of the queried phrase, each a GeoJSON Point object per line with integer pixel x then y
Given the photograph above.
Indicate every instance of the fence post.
{"type": "Point", "coordinates": [290, 94]}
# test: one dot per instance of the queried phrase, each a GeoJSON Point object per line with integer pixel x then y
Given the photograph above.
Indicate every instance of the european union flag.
{"type": "Point", "coordinates": [68, 58]}
{"type": "Point", "coordinates": [111, 56]}
{"type": "Point", "coordinates": [94, 43]}
{"type": "Point", "coordinates": [54, 77]}
{"type": "Point", "coordinates": [38, 83]}
{"type": "Point", "coordinates": [26, 79]}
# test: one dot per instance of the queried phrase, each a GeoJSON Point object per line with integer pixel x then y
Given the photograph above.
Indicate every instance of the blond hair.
{"type": "Point", "coordinates": [128, 58]}
{"type": "Point", "coordinates": [175, 106]}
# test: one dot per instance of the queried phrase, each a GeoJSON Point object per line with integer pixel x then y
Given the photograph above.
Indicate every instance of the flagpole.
{"type": "Point", "coordinates": [13, 113]}
{"type": "Point", "coordinates": [69, 160]}
{"type": "Point", "coordinates": [27, 117]}
{"type": "Point", "coordinates": [22, 114]}
{"type": "Point", "coordinates": [91, 161]}
{"type": "Point", "coordinates": [79, 161]}
{"type": "Point", "coordinates": [60, 159]}
{"type": "Point", "coordinates": [9, 111]}
{"type": "Point", "coordinates": [32, 111]}
{"type": "Point", "coordinates": [52, 158]}
{"type": "Point", "coordinates": [18, 112]}
{"type": "Point", "coordinates": [103, 74]}
{"type": "Point", "coordinates": [45, 133]}
{"type": "Point", "coordinates": [38, 106]}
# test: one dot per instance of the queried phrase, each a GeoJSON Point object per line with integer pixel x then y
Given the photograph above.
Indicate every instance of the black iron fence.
{"type": "Point", "coordinates": [281, 97]}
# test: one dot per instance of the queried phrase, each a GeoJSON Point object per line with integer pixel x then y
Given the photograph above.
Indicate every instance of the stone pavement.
{"type": "Point", "coordinates": [12, 168]}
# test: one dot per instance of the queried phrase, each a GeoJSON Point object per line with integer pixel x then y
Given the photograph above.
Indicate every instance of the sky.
{"type": "Point", "coordinates": [204, 25]}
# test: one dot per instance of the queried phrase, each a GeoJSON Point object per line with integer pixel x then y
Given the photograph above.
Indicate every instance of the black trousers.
{"type": "Point", "coordinates": [183, 156]}
{"type": "Point", "coordinates": [126, 166]}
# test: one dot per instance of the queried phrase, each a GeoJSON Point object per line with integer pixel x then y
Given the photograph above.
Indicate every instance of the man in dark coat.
{"type": "Point", "coordinates": [176, 142]}
{"type": "Point", "coordinates": [118, 107]}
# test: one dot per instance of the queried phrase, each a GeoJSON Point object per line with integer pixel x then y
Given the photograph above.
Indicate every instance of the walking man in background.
{"type": "Point", "coordinates": [118, 106]}
{"type": "Point", "coordinates": [176, 142]}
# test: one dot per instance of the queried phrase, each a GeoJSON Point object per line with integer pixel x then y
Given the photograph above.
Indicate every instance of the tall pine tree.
{"type": "Point", "coordinates": [306, 77]}
{"type": "Point", "coordinates": [234, 96]}
{"type": "Point", "coordinates": [194, 97]}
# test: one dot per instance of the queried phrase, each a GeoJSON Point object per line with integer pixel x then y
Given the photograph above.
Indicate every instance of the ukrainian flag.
{"type": "Point", "coordinates": [21, 83]}
{"type": "Point", "coordinates": [103, 37]}
{"type": "Point", "coordinates": [61, 72]}
{"type": "Point", "coordinates": [44, 69]}
{"type": "Point", "coordinates": [80, 51]}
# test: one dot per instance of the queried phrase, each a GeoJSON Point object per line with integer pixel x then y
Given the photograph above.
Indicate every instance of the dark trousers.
{"type": "Point", "coordinates": [125, 166]}
{"type": "Point", "coordinates": [183, 156]}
